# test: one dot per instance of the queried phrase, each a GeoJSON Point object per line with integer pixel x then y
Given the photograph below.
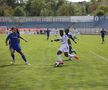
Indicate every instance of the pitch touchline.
{"type": "Point", "coordinates": [98, 55]}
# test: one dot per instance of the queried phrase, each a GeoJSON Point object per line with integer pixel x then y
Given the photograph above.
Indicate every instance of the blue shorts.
{"type": "Point", "coordinates": [15, 47]}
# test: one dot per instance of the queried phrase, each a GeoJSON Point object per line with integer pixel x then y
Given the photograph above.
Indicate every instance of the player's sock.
{"type": "Point", "coordinates": [13, 57]}
{"type": "Point", "coordinates": [24, 58]}
{"type": "Point", "coordinates": [70, 49]}
{"type": "Point", "coordinates": [60, 59]}
{"type": "Point", "coordinates": [70, 56]}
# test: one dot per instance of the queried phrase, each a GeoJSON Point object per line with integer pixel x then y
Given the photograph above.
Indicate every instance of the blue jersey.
{"type": "Point", "coordinates": [13, 39]}
{"type": "Point", "coordinates": [48, 32]}
{"type": "Point", "coordinates": [103, 32]}
{"type": "Point", "coordinates": [69, 35]}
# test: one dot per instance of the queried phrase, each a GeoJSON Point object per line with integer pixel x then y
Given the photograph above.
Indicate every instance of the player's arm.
{"type": "Point", "coordinates": [6, 41]}
{"type": "Point", "coordinates": [72, 39]}
{"type": "Point", "coordinates": [22, 38]}
{"type": "Point", "coordinates": [69, 43]}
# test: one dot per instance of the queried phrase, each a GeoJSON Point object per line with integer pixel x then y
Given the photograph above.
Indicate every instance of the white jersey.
{"type": "Point", "coordinates": [64, 39]}
{"type": "Point", "coordinates": [64, 44]}
{"type": "Point", "coordinates": [75, 34]}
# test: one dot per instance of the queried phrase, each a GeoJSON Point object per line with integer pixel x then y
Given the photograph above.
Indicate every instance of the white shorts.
{"type": "Point", "coordinates": [64, 48]}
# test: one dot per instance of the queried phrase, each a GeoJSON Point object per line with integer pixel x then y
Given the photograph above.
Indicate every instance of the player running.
{"type": "Point", "coordinates": [64, 48]}
{"type": "Point", "coordinates": [14, 45]}
{"type": "Point", "coordinates": [70, 37]}
{"type": "Point", "coordinates": [48, 34]}
{"type": "Point", "coordinates": [76, 32]}
{"type": "Point", "coordinates": [103, 32]}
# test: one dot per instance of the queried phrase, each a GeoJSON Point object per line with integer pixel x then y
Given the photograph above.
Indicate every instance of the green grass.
{"type": "Point", "coordinates": [91, 73]}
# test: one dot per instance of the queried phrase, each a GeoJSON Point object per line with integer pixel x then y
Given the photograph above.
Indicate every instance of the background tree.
{"type": "Point", "coordinates": [51, 7]}
{"type": "Point", "coordinates": [1, 12]}
{"type": "Point", "coordinates": [10, 3]}
{"type": "Point", "coordinates": [103, 8]}
{"type": "Point", "coordinates": [99, 13]}
{"type": "Point", "coordinates": [36, 7]}
{"type": "Point", "coordinates": [19, 11]}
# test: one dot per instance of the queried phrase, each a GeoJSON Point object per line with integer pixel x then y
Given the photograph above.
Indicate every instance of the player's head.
{"type": "Point", "coordinates": [66, 31]}
{"type": "Point", "coordinates": [102, 29]}
{"type": "Point", "coordinates": [61, 32]}
{"type": "Point", "coordinates": [13, 29]}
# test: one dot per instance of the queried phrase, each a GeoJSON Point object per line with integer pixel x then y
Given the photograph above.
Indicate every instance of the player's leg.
{"type": "Point", "coordinates": [70, 49]}
{"type": "Point", "coordinates": [59, 54]}
{"type": "Point", "coordinates": [103, 39]}
{"type": "Point", "coordinates": [60, 57]}
{"type": "Point", "coordinates": [12, 55]}
{"type": "Point", "coordinates": [59, 62]}
{"type": "Point", "coordinates": [18, 49]}
{"type": "Point", "coordinates": [66, 54]}
{"type": "Point", "coordinates": [23, 57]}
{"type": "Point", "coordinates": [71, 56]}
{"type": "Point", "coordinates": [47, 37]}
{"type": "Point", "coordinates": [73, 51]}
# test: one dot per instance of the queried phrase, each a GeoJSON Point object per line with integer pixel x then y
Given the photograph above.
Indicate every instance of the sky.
{"type": "Point", "coordinates": [78, 0]}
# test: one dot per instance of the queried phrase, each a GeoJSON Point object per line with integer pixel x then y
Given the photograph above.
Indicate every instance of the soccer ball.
{"type": "Point", "coordinates": [56, 64]}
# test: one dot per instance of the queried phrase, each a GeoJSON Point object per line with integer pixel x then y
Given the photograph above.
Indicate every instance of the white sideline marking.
{"type": "Point", "coordinates": [99, 56]}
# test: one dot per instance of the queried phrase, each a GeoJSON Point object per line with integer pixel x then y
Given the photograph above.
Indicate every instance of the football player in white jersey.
{"type": "Point", "coordinates": [64, 48]}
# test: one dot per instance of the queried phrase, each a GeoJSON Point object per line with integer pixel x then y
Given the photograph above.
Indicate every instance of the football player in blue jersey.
{"type": "Point", "coordinates": [14, 45]}
{"type": "Point", "coordinates": [103, 32]}
{"type": "Point", "coordinates": [70, 37]}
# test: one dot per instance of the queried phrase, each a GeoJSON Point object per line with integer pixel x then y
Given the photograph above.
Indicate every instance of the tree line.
{"type": "Point", "coordinates": [52, 8]}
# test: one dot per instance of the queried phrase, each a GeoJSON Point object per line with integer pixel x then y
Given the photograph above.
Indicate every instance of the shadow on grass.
{"type": "Point", "coordinates": [66, 65]}
{"type": "Point", "coordinates": [73, 60]}
{"type": "Point", "coordinates": [11, 65]}
{"type": "Point", "coordinates": [62, 66]}
{"type": "Point", "coordinates": [68, 60]}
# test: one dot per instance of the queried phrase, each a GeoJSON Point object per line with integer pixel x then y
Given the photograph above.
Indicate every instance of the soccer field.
{"type": "Point", "coordinates": [90, 73]}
